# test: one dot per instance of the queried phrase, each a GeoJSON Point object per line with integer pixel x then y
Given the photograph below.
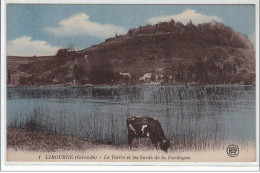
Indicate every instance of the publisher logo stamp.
{"type": "Point", "coordinates": [232, 150]}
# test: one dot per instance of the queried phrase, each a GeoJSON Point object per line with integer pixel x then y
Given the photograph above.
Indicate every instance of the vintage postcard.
{"type": "Point", "coordinates": [130, 84]}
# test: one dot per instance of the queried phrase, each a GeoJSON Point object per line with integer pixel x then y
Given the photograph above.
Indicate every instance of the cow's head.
{"type": "Point", "coordinates": [165, 145]}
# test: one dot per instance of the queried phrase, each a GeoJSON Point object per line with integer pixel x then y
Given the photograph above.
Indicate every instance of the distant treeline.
{"type": "Point", "coordinates": [164, 53]}
{"type": "Point", "coordinates": [213, 32]}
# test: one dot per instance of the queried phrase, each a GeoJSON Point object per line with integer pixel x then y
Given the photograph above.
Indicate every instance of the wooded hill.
{"type": "Point", "coordinates": [164, 53]}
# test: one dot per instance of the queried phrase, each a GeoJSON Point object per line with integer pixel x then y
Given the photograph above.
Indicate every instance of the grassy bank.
{"type": "Point", "coordinates": [28, 146]}
{"type": "Point", "coordinates": [20, 139]}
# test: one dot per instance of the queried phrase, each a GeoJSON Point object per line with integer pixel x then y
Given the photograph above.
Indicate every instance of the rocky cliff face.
{"type": "Point", "coordinates": [165, 53]}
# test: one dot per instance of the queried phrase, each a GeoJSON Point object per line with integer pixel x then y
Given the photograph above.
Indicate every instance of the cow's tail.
{"type": "Point", "coordinates": [129, 120]}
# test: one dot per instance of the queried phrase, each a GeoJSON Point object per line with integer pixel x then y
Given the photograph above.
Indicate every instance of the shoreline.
{"type": "Point", "coordinates": [25, 146]}
{"type": "Point", "coordinates": [138, 85]}
{"type": "Point", "coordinates": [20, 139]}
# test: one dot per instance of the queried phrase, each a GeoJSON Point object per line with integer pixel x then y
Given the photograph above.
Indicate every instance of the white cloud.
{"type": "Point", "coordinates": [25, 46]}
{"type": "Point", "coordinates": [81, 25]}
{"type": "Point", "coordinates": [185, 17]}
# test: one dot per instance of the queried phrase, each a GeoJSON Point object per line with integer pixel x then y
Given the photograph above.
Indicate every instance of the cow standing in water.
{"type": "Point", "coordinates": [147, 127]}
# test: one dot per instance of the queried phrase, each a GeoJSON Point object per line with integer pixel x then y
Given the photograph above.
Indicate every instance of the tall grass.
{"type": "Point", "coordinates": [205, 117]}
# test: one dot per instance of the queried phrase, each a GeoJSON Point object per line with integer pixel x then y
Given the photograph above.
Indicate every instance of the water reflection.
{"type": "Point", "coordinates": [193, 117]}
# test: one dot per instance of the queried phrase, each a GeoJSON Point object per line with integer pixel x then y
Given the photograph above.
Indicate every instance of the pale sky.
{"type": "Point", "coordinates": [43, 29]}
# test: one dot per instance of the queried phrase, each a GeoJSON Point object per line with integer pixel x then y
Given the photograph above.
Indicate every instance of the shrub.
{"type": "Point", "coordinates": [103, 73]}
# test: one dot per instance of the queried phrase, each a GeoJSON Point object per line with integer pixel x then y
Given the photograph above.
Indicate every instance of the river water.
{"type": "Point", "coordinates": [192, 117]}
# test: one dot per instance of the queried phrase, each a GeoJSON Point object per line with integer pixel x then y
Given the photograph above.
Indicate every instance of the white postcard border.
{"type": "Point", "coordinates": [119, 166]}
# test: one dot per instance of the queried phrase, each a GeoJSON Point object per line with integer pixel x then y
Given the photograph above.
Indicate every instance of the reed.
{"type": "Point", "coordinates": [192, 117]}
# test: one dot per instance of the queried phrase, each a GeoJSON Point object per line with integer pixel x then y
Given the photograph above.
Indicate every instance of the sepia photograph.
{"type": "Point", "coordinates": [131, 83]}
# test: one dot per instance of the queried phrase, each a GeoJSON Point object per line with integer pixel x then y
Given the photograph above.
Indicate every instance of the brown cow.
{"type": "Point", "coordinates": [147, 127]}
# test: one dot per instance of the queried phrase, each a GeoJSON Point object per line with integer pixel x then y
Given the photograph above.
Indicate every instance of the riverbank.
{"type": "Point", "coordinates": [25, 146]}
{"type": "Point", "coordinates": [19, 139]}
{"type": "Point", "coordinates": [137, 84]}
